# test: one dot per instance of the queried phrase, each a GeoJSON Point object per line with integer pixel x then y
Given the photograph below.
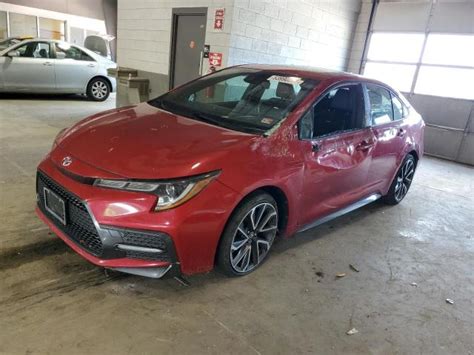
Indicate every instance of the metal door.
{"type": "Point", "coordinates": [189, 31]}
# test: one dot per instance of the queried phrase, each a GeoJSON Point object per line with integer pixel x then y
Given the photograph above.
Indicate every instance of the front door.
{"type": "Point", "coordinates": [189, 30]}
{"type": "Point", "coordinates": [338, 155]}
{"type": "Point", "coordinates": [32, 71]}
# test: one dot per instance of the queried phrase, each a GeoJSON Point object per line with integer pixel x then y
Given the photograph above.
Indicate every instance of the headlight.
{"type": "Point", "coordinates": [170, 193]}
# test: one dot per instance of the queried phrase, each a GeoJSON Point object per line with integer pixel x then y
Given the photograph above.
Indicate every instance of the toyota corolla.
{"type": "Point", "coordinates": [211, 173]}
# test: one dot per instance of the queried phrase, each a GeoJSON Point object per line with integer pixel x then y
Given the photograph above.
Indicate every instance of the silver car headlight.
{"type": "Point", "coordinates": [171, 193]}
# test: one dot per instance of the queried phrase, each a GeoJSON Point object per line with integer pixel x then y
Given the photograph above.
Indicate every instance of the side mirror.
{"type": "Point", "coordinates": [13, 53]}
{"type": "Point", "coordinates": [60, 55]}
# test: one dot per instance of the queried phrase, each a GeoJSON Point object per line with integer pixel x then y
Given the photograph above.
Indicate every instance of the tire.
{"type": "Point", "coordinates": [248, 236]}
{"type": "Point", "coordinates": [98, 89]}
{"type": "Point", "coordinates": [402, 181]}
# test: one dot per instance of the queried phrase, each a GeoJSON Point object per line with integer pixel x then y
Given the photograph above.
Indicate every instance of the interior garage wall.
{"type": "Point", "coordinates": [144, 36]}
{"type": "Point", "coordinates": [81, 11]}
{"type": "Point", "coordinates": [85, 8]}
{"type": "Point", "coordinates": [255, 31]}
{"type": "Point", "coordinates": [315, 33]}
{"type": "Point", "coordinates": [450, 122]}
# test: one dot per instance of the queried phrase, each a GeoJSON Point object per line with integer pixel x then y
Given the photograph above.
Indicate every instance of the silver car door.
{"type": "Point", "coordinates": [31, 71]}
{"type": "Point", "coordinates": [74, 68]}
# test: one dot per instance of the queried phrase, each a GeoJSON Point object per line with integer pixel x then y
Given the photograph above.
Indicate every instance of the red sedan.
{"type": "Point", "coordinates": [212, 172]}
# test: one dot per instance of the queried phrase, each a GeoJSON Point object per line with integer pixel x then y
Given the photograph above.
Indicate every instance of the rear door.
{"type": "Point", "coordinates": [73, 67]}
{"type": "Point", "coordinates": [387, 114]}
{"type": "Point", "coordinates": [337, 147]}
{"type": "Point", "coordinates": [32, 71]}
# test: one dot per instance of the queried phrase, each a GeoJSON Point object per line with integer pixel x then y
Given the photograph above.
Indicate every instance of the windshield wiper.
{"type": "Point", "coordinates": [214, 119]}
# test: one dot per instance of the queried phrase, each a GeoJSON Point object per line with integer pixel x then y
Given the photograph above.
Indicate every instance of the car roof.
{"type": "Point", "coordinates": [321, 74]}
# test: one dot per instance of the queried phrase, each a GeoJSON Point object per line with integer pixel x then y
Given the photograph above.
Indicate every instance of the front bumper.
{"type": "Point", "coordinates": [119, 230]}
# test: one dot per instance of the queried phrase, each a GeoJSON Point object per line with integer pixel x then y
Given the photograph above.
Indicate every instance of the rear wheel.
{"type": "Point", "coordinates": [248, 236]}
{"type": "Point", "coordinates": [402, 182]}
{"type": "Point", "coordinates": [98, 89]}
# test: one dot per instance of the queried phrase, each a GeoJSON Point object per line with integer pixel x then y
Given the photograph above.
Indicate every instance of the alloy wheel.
{"type": "Point", "coordinates": [404, 179]}
{"type": "Point", "coordinates": [99, 89]}
{"type": "Point", "coordinates": [254, 237]}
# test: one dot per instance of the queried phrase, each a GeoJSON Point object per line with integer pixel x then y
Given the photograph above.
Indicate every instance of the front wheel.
{"type": "Point", "coordinates": [402, 182]}
{"type": "Point", "coordinates": [98, 89]}
{"type": "Point", "coordinates": [248, 236]}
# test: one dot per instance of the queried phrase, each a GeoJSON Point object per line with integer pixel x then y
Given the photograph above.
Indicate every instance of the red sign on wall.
{"type": "Point", "coordinates": [219, 19]}
{"type": "Point", "coordinates": [215, 59]}
{"type": "Point", "coordinates": [219, 24]}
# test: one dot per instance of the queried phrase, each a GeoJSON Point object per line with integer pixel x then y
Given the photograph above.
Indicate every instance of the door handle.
{"type": "Point", "coordinates": [364, 145]}
{"type": "Point", "coordinates": [401, 132]}
{"type": "Point", "coordinates": [91, 65]}
{"type": "Point", "coordinates": [48, 64]}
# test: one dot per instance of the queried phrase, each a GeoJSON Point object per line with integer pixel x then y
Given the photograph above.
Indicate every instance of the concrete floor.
{"type": "Point", "coordinates": [52, 301]}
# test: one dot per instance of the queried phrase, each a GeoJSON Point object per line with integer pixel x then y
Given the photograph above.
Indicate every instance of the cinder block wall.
{"type": "Point", "coordinates": [144, 36]}
{"type": "Point", "coordinates": [315, 33]}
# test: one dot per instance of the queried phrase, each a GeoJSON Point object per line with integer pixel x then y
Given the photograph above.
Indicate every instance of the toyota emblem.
{"type": "Point", "coordinates": [67, 161]}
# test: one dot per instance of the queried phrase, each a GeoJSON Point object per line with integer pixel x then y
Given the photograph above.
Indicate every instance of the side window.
{"type": "Point", "coordinates": [381, 110]}
{"type": "Point", "coordinates": [41, 50]}
{"type": "Point", "coordinates": [34, 50]}
{"type": "Point", "coordinates": [339, 110]}
{"type": "Point", "coordinates": [398, 108]}
{"type": "Point", "coordinates": [71, 52]}
{"type": "Point", "coordinates": [23, 49]}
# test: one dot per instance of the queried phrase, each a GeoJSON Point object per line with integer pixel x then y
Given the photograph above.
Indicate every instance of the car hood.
{"type": "Point", "coordinates": [143, 142]}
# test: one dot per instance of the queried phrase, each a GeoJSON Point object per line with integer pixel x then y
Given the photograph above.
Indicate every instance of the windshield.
{"type": "Point", "coordinates": [246, 100]}
{"type": "Point", "coordinates": [9, 42]}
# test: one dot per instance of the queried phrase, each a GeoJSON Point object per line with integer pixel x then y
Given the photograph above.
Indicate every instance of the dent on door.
{"type": "Point", "coordinates": [344, 152]}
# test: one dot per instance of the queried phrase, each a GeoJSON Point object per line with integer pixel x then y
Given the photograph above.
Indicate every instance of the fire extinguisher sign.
{"type": "Point", "coordinates": [215, 59]}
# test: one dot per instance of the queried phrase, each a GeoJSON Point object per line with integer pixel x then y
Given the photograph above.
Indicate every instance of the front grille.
{"type": "Point", "coordinates": [79, 227]}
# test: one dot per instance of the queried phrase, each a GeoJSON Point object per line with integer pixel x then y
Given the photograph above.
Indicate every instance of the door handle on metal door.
{"type": "Point", "coordinates": [48, 64]}
{"type": "Point", "coordinates": [401, 132]}
{"type": "Point", "coordinates": [364, 145]}
{"type": "Point", "coordinates": [91, 65]}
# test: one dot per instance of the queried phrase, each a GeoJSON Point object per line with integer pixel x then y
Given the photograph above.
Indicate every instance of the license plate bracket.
{"type": "Point", "coordinates": [54, 205]}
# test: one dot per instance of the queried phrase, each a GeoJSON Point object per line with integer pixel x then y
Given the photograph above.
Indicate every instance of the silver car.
{"type": "Point", "coordinates": [50, 66]}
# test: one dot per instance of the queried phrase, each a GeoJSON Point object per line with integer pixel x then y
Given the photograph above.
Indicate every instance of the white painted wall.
{"type": "Point", "coordinates": [315, 33]}
{"type": "Point", "coordinates": [144, 31]}
{"type": "Point", "coordinates": [71, 20]}
{"type": "Point", "coordinates": [305, 32]}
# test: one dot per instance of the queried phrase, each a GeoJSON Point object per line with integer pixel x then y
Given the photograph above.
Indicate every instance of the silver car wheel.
{"type": "Point", "coordinates": [254, 237]}
{"type": "Point", "coordinates": [404, 178]}
{"type": "Point", "coordinates": [99, 89]}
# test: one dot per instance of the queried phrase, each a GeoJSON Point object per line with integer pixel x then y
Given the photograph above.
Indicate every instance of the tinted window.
{"type": "Point", "coordinates": [338, 111]}
{"type": "Point", "coordinates": [71, 52]}
{"type": "Point", "coordinates": [248, 100]}
{"type": "Point", "coordinates": [34, 50]}
{"type": "Point", "coordinates": [380, 104]}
